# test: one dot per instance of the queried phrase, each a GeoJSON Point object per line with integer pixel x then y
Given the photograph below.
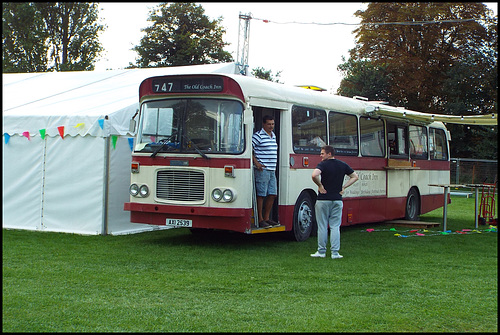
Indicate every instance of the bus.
{"type": "Point", "coordinates": [192, 157]}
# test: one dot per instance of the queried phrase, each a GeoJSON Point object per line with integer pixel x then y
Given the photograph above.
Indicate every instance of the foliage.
{"type": "Point", "coordinates": [23, 38]}
{"type": "Point", "coordinates": [440, 68]}
{"type": "Point", "coordinates": [174, 281]}
{"type": "Point", "coordinates": [47, 36]}
{"type": "Point", "coordinates": [262, 73]}
{"type": "Point", "coordinates": [181, 34]}
{"type": "Point", "coordinates": [364, 78]}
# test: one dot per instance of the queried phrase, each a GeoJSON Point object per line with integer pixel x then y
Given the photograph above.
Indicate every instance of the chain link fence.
{"type": "Point", "coordinates": [473, 171]}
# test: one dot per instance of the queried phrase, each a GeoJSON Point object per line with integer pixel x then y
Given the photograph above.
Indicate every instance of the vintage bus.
{"type": "Point", "coordinates": [192, 157]}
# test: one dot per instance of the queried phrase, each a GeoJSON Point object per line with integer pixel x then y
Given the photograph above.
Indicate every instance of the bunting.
{"type": "Point", "coordinates": [426, 232]}
{"type": "Point", "coordinates": [61, 131]}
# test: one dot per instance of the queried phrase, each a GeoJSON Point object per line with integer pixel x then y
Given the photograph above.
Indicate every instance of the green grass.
{"type": "Point", "coordinates": [173, 281]}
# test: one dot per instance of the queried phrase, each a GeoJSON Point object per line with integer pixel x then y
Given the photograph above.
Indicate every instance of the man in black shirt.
{"type": "Point", "coordinates": [329, 202]}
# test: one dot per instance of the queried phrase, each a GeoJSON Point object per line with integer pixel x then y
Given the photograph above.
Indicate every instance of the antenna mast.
{"type": "Point", "coordinates": [243, 43]}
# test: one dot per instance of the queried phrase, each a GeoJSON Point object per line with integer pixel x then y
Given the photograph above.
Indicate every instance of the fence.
{"type": "Point", "coordinates": [473, 171]}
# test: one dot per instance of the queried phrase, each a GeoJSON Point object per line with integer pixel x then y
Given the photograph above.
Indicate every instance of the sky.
{"type": "Point", "coordinates": [305, 53]}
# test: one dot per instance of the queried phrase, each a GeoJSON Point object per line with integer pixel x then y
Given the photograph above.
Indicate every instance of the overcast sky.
{"type": "Point", "coordinates": [306, 52]}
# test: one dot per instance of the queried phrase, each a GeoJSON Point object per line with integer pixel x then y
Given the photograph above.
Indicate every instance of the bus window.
{"type": "Point", "coordinates": [308, 129]}
{"type": "Point", "coordinates": [343, 133]}
{"type": "Point", "coordinates": [418, 142]}
{"type": "Point", "coordinates": [397, 140]}
{"type": "Point", "coordinates": [372, 137]}
{"type": "Point", "coordinates": [191, 125]}
{"type": "Point", "coordinates": [437, 144]}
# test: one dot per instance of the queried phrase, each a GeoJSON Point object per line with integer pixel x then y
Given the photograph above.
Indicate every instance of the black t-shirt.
{"type": "Point", "coordinates": [332, 178]}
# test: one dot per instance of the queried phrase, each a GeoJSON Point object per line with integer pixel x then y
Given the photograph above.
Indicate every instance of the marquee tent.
{"type": "Point", "coordinates": [67, 148]}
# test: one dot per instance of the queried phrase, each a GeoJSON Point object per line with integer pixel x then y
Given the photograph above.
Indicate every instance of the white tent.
{"type": "Point", "coordinates": [67, 151]}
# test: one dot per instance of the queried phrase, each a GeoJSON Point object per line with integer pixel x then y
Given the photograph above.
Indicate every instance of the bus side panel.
{"type": "Point", "coordinates": [431, 202]}
{"type": "Point", "coordinates": [372, 210]}
{"type": "Point", "coordinates": [286, 216]}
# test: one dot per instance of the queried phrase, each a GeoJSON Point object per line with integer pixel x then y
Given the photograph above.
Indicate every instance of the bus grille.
{"type": "Point", "coordinates": [180, 185]}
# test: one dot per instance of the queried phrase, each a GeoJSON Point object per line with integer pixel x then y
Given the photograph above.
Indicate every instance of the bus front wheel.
{"type": "Point", "coordinates": [412, 205]}
{"type": "Point", "coordinates": [303, 217]}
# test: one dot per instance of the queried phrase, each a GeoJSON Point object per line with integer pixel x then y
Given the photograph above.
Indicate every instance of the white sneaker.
{"type": "Point", "coordinates": [337, 256]}
{"type": "Point", "coordinates": [317, 254]}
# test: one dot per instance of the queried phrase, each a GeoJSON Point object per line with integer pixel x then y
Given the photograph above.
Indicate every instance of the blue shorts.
{"type": "Point", "coordinates": [265, 183]}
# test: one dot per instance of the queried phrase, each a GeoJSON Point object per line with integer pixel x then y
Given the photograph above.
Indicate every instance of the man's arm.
{"type": "Point", "coordinates": [353, 177]}
{"type": "Point", "coordinates": [315, 177]}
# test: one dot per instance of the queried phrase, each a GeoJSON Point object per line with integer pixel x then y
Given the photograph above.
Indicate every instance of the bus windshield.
{"type": "Point", "coordinates": [191, 125]}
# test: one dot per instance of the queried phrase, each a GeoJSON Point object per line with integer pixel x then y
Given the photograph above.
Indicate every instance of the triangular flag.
{"type": "Point", "coordinates": [131, 143]}
{"type": "Point", "coordinates": [42, 133]}
{"type": "Point", "coordinates": [101, 123]}
{"type": "Point", "coordinates": [7, 137]}
{"type": "Point", "coordinates": [79, 125]}
{"type": "Point", "coordinates": [27, 134]}
{"type": "Point", "coordinates": [61, 131]}
{"type": "Point", "coordinates": [113, 140]}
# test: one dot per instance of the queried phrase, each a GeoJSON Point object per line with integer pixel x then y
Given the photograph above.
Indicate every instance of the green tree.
{"type": "Point", "coordinates": [441, 68]}
{"type": "Point", "coordinates": [23, 38]}
{"type": "Point", "coordinates": [48, 36]}
{"type": "Point", "coordinates": [181, 34]}
{"type": "Point", "coordinates": [73, 29]}
{"type": "Point", "coordinates": [365, 79]}
{"type": "Point", "coordinates": [262, 73]}
{"type": "Point", "coordinates": [417, 57]}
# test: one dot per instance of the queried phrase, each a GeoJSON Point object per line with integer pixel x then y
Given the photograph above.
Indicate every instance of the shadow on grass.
{"type": "Point", "coordinates": [217, 238]}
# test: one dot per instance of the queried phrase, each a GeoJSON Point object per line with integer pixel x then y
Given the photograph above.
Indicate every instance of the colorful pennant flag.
{"type": "Point", "coordinates": [61, 131]}
{"type": "Point", "coordinates": [27, 134]}
{"type": "Point", "coordinates": [42, 133]}
{"type": "Point", "coordinates": [131, 143]}
{"type": "Point", "coordinates": [81, 124]}
{"type": "Point", "coordinates": [7, 137]}
{"type": "Point", "coordinates": [114, 138]}
{"type": "Point", "coordinates": [101, 123]}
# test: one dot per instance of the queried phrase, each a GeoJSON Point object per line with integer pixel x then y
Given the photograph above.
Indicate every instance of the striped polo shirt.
{"type": "Point", "coordinates": [265, 149]}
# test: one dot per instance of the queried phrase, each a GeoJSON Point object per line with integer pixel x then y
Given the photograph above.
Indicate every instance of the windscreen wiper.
{"type": "Point", "coordinates": [202, 154]}
{"type": "Point", "coordinates": [163, 142]}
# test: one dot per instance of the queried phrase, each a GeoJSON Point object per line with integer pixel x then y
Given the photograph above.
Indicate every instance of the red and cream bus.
{"type": "Point", "coordinates": [192, 157]}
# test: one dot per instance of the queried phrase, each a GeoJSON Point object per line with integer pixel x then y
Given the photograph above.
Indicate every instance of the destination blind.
{"type": "Point", "coordinates": [187, 85]}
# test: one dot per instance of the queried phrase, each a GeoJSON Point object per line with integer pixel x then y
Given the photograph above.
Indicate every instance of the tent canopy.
{"type": "Point", "coordinates": [33, 101]}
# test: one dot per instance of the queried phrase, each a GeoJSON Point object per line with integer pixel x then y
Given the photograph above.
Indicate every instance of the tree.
{"type": "Point", "coordinates": [181, 34]}
{"type": "Point", "coordinates": [73, 34]}
{"type": "Point", "coordinates": [43, 36]}
{"type": "Point", "coordinates": [262, 73]}
{"type": "Point", "coordinates": [365, 79]}
{"type": "Point", "coordinates": [23, 38]}
{"type": "Point", "coordinates": [440, 68]}
{"type": "Point", "coordinates": [417, 57]}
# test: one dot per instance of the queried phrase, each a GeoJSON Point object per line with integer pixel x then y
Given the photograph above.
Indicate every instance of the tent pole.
{"type": "Point", "coordinates": [105, 190]}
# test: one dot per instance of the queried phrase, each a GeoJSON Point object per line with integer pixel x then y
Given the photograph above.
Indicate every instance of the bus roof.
{"type": "Point", "coordinates": [259, 89]}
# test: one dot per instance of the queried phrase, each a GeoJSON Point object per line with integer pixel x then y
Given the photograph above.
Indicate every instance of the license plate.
{"type": "Point", "coordinates": [179, 223]}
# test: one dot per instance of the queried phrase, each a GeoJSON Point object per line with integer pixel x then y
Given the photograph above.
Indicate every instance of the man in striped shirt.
{"type": "Point", "coordinates": [265, 157]}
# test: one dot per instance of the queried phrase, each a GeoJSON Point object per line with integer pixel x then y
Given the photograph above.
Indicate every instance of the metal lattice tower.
{"type": "Point", "coordinates": [243, 43]}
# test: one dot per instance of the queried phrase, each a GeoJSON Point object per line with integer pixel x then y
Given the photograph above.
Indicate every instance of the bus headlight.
{"type": "Point", "coordinates": [134, 190]}
{"type": "Point", "coordinates": [227, 195]}
{"type": "Point", "coordinates": [217, 194]}
{"type": "Point", "coordinates": [144, 191]}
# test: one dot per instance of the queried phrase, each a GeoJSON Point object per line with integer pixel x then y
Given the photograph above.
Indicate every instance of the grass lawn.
{"type": "Point", "coordinates": [175, 281]}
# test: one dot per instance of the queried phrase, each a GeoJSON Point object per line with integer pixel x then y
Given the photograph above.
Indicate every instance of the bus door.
{"type": "Point", "coordinates": [258, 114]}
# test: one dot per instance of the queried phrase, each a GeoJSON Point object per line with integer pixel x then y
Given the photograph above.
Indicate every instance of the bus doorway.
{"type": "Point", "coordinates": [258, 114]}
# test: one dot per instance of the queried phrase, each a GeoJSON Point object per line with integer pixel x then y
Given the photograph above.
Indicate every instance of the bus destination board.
{"type": "Point", "coordinates": [187, 85]}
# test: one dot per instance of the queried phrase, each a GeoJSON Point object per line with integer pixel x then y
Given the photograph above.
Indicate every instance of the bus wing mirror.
{"type": "Point", "coordinates": [132, 124]}
{"type": "Point", "coordinates": [131, 127]}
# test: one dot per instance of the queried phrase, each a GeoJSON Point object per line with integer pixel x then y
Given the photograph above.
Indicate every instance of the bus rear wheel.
{"type": "Point", "coordinates": [412, 205]}
{"type": "Point", "coordinates": [303, 217]}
